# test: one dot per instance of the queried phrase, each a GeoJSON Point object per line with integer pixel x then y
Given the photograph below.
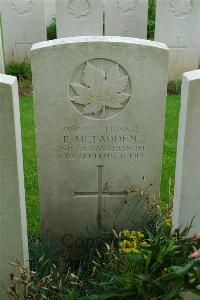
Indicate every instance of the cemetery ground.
{"type": "Point", "coordinates": [132, 264]}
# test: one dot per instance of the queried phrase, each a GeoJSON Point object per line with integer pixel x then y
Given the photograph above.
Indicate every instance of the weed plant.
{"type": "Point", "coordinates": [51, 30]}
{"type": "Point", "coordinates": [22, 70]}
{"type": "Point", "coordinates": [151, 19]}
{"type": "Point", "coordinates": [154, 263]}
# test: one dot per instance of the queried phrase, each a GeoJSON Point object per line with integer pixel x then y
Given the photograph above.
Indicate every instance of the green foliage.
{"type": "Point", "coordinates": [169, 150]}
{"type": "Point", "coordinates": [174, 87]}
{"type": "Point", "coordinates": [22, 70]}
{"type": "Point", "coordinates": [51, 30]}
{"type": "Point", "coordinates": [151, 19]}
{"type": "Point", "coordinates": [30, 164]}
{"type": "Point", "coordinates": [161, 268]}
{"type": "Point", "coordinates": [50, 276]}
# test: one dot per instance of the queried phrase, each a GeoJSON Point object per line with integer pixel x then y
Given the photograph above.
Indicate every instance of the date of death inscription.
{"type": "Point", "coordinates": [93, 143]}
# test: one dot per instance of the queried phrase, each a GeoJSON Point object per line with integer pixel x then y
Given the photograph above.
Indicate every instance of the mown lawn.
{"type": "Point", "coordinates": [30, 166]}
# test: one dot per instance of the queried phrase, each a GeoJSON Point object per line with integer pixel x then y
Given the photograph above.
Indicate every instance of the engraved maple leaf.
{"type": "Point", "coordinates": [79, 8]}
{"type": "Point", "coordinates": [21, 6]}
{"type": "Point", "coordinates": [125, 5]}
{"type": "Point", "coordinates": [181, 8]}
{"type": "Point", "coordinates": [100, 90]}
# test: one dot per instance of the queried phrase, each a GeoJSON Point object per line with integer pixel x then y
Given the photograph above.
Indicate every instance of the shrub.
{"type": "Point", "coordinates": [174, 87]}
{"type": "Point", "coordinates": [151, 19]}
{"type": "Point", "coordinates": [51, 30]}
{"type": "Point", "coordinates": [22, 70]}
{"type": "Point", "coordinates": [150, 264]}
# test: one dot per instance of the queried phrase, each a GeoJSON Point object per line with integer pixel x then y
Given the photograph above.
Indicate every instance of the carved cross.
{"type": "Point", "coordinates": [99, 194]}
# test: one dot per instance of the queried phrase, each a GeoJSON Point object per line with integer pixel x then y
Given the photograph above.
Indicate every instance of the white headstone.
{"type": "Point", "coordinates": [126, 18]}
{"type": "Point", "coordinates": [100, 107]}
{"type": "Point", "coordinates": [178, 26]}
{"type": "Point", "coordinates": [23, 23]}
{"type": "Point", "coordinates": [2, 67]}
{"type": "Point", "coordinates": [187, 188]}
{"type": "Point", "coordinates": [79, 17]}
{"type": "Point", "coordinates": [50, 11]}
{"type": "Point", "coordinates": [13, 235]}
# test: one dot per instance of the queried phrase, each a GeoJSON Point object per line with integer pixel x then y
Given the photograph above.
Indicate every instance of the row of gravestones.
{"type": "Point", "coordinates": [177, 25]}
{"type": "Point", "coordinates": [99, 109]}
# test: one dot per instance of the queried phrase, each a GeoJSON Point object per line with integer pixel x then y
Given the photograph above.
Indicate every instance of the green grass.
{"type": "Point", "coordinates": [170, 142]}
{"type": "Point", "coordinates": [30, 166]}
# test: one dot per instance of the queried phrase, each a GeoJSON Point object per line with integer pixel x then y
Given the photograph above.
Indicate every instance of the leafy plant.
{"type": "Point", "coordinates": [154, 263]}
{"type": "Point", "coordinates": [22, 70]}
{"type": "Point", "coordinates": [151, 19]}
{"type": "Point", "coordinates": [51, 30]}
{"type": "Point", "coordinates": [50, 275]}
{"type": "Point", "coordinates": [174, 87]}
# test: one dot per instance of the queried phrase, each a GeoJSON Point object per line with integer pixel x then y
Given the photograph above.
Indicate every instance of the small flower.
{"type": "Point", "coordinates": [195, 254]}
{"type": "Point", "coordinates": [196, 236]}
{"type": "Point", "coordinates": [145, 244]}
{"type": "Point", "coordinates": [168, 222]}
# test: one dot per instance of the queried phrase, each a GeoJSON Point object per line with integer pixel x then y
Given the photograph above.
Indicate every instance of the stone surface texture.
{"type": "Point", "coordinates": [23, 24]}
{"type": "Point", "coordinates": [126, 18]}
{"type": "Point", "coordinates": [13, 232]}
{"type": "Point", "coordinates": [79, 17]}
{"type": "Point", "coordinates": [187, 188]}
{"type": "Point", "coordinates": [100, 107]}
{"type": "Point", "coordinates": [50, 11]}
{"type": "Point", "coordinates": [178, 26]}
{"type": "Point", "coordinates": [2, 67]}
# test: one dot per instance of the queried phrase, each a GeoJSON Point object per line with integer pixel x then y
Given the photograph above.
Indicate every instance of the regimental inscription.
{"type": "Point", "coordinates": [126, 6]}
{"type": "Point", "coordinates": [181, 9]}
{"type": "Point", "coordinates": [21, 7]}
{"type": "Point", "coordinates": [114, 142]}
{"type": "Point", "coordinates": [100, 88]}
{"type": "Point", "coordinates": [79, 8]}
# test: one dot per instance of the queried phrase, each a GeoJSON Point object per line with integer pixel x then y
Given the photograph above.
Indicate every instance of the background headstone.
{"type": "Point", "coordinates": [13, 235]}
{"type": "Point", "coordinates": [79, 17]}
{"type": "Point", "coordinates": [50, 11]}
{"type": "Point", "coordinates": [126, 18]}
{"type": "Point", "coordinates": [187, 188]}
{"type": "Point", "coordinates": [90, 152]}
{"type": "Point", "coordinates": [178, 26]}
{"type": "Point", "coordinates": [2, 67]}
{"type": "Point", "coordinates": [23, 23]}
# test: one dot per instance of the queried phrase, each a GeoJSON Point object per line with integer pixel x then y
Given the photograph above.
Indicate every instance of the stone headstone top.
{"type": "Point", "coordinates": [177, 26]}
{"type": "Point", "coordinates": [50, 11]}
{"type": "Point", "coordinates": [126, 18]}
{"type": "Point", "coordinates": [186, 194]}
{"type": "Point", "coordinates": [23, 23]}
{"type": "Point", "coordinates": [97, 133]}
{"type": "Point", "coordinates": [79, 17]}
{"type": "Point", "coordinates": [13, 235]}
{"type": "Point", "coordinates": [2, 67]}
